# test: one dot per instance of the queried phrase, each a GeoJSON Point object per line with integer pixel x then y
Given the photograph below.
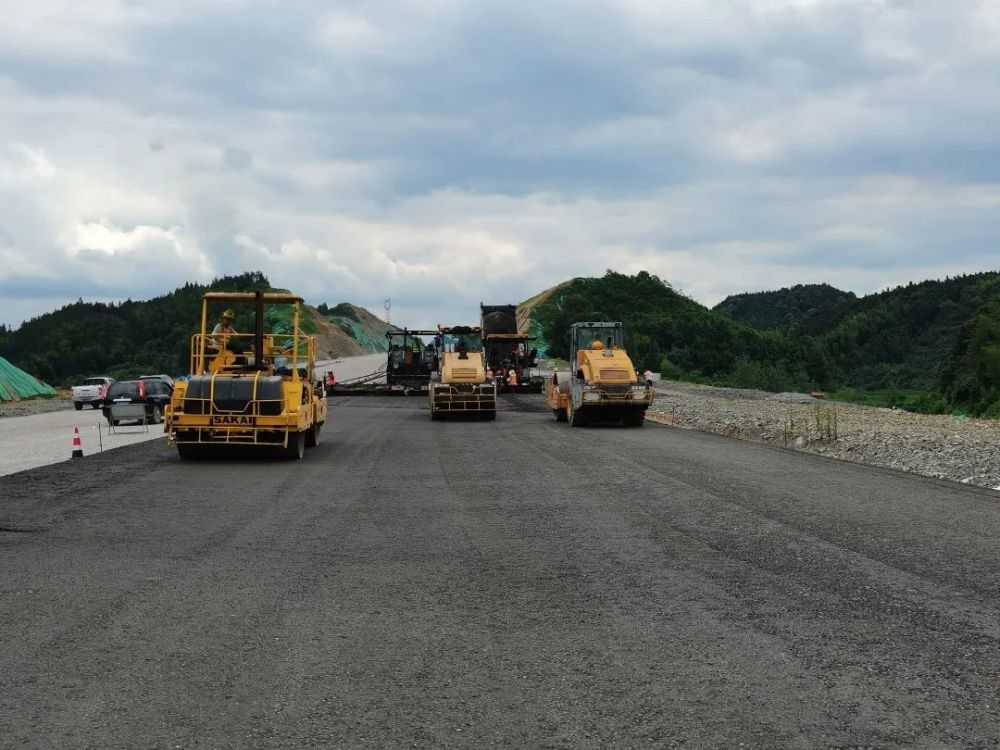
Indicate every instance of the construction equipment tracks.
{"type": "Point", "coordinates": [507, 584]}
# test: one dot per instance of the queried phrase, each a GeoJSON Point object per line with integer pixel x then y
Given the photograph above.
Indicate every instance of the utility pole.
{"type": "Point", "coordinates": [388, 310]}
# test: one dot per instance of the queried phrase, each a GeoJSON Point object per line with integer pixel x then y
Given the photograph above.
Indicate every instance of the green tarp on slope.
{"type": "Point", "coordinates": [16, 384]}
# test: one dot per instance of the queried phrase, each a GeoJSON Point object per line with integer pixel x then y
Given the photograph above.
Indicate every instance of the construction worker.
{"type": "Point", "coordinates": [648, 377]}
{"type": "Point", "coordinates": [331, 381]}
{"type": "Point", "coordinates": [512, 378]}
{"type": "Point", "coordinates": [223, 330]}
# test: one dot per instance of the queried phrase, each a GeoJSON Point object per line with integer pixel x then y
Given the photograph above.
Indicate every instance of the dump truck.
{"type": "Point", "coordinates": [459, 386]}
{"type": "Point", "coordinates": [601, 384]}
{"type": "Point", "coordinates": [506, 348]}
{"type": "Point", "coordinates": [249, 393]}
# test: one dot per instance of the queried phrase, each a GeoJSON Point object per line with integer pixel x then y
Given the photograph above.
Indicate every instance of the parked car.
{"type": "Point", "coordinates": [91, 391]}
{"type": "Point", "coordinates": [155, 394]}
{"type": "Point", "coordinates": [165, 378]}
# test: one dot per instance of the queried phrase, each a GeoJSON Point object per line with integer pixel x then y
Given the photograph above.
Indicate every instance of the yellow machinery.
{"type": "Point", "coordinates": [248, 392]}
{"type": "Point", "coordinates": [602, 385]}
{"type": "Point", "coordinates": [459, 386]}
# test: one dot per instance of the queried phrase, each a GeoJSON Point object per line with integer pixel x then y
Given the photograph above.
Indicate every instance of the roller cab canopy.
{"type": "Point", "coordinates": [275, 298]}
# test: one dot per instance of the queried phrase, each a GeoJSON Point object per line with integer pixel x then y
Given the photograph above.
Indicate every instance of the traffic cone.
{"type": "Point", "coordinates": [77, 445]}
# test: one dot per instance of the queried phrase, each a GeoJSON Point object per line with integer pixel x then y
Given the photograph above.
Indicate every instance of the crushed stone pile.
{"type": "Point", "coordinates": [941, 446]}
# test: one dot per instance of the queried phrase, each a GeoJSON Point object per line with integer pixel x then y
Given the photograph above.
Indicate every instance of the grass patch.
{"type": "Point", "coordinates": [900, 398]}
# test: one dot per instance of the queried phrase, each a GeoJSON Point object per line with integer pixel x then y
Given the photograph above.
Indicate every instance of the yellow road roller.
{"type": "Point", "coordinates": [249, 393]}
{"type": "Point", "coordinates": [601, 384]}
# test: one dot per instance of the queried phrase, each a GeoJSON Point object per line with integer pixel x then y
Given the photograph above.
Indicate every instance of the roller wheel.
{"type": "Point", "coordinates": [634, 420]}
{"type": "Point", "coordinates": [559, 414]}
{"type": "Point", "coordinates": [312, 435]}
{"type": "Point", "coordinates": [296, 446]}
{"type": "Point", "coordinates": [576, 419]}
{"type": "Point", "coordinates": [488, 416]}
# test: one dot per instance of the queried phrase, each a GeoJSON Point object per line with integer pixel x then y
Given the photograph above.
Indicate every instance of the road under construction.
{"type": "Point", "coordinates": [438, 584]}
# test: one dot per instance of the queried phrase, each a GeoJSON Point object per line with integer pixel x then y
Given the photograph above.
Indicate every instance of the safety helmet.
{"type": "Point", "coordinates": [597, 345]}
{"type": "Point", "coordinates": [229, 315]}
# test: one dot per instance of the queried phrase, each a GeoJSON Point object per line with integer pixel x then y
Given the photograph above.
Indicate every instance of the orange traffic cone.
{"type": "Point", "coordinates": [77, 445]}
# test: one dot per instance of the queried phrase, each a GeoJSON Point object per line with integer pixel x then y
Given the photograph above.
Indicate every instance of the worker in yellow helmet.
{"type": "Point", "coordinates": [223, 329]}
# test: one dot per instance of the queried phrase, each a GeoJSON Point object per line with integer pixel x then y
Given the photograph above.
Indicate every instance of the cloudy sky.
{"type": "Point", "coordinates": [445, 152]}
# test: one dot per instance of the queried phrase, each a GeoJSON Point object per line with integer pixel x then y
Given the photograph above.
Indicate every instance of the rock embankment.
{"type": "Point", "coordinates": [963, 450]}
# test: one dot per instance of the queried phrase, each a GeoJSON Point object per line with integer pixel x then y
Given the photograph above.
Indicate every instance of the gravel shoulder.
{"type": "Point", "coordinates": [939, 446]}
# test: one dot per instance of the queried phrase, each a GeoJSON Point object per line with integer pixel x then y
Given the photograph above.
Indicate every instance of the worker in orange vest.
{"type": "Point", "coordinates": [512, 378]}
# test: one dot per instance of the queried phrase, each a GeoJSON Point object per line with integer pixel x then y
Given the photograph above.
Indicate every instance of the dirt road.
{"type": "Point", "coordinates": [510, 584]}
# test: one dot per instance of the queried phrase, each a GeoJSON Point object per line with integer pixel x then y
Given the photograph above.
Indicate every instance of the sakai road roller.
{"type": "Point", "coordinates": [249, 393]}
{"type": "Point", "coordinates": [459, 386]}
{"type": "Point", "coordinates": [602, 385]}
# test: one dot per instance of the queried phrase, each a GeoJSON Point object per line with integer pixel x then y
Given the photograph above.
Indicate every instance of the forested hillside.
{"type": "Point", "coordinates": [933, 345]}
{"type": "Point", "coordinates": [152, 336]}
{"type": "Point", "coordinates": [120, 340]}
{"type": "Point", "coordinates": [669, 332]}
{"type": "Point", "coordinates": [789, 307]}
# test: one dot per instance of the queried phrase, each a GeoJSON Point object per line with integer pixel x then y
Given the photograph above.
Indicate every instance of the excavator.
{"type": "Point", "coordinates": [601, 384]}
{"type": "Point", "coordinates": [249, 393]}
{"type": "Point", "coordinates": [459, 386]}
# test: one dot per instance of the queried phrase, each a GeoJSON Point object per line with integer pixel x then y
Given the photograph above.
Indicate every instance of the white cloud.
{"type": "Point", "coordinates": [446, 153]}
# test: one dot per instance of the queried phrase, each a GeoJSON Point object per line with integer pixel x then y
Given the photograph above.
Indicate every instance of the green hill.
{"type": "Point", "coordinates": [933, 345]}
{"type": "Point", "coordinates": [152, 336]}
{"type": "Point", "coordinates": [669, 332]}
{"type": "Point", "coordinates": [819, 304]}
{"type": "Point", "coordinates": [906, 338]}
{"type": "Point", "coordinates": [930, 343]}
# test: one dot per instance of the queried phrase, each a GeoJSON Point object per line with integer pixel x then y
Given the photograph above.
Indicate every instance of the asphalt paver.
{"type": "Point", "coordinates": [518, 583]}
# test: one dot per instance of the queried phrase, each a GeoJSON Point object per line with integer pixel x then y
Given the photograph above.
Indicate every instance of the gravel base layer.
{"type": "Point", "coordinates": [939, 446]}
{"type": "Point", "coordinates": [34, 406]}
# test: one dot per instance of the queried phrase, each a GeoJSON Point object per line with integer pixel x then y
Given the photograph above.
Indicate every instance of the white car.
{"type": "Point", "coordinates": [91, 391]}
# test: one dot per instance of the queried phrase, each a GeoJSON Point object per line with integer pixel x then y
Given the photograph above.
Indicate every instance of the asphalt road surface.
{"type": "Point", "coordinates": [519, 583]}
